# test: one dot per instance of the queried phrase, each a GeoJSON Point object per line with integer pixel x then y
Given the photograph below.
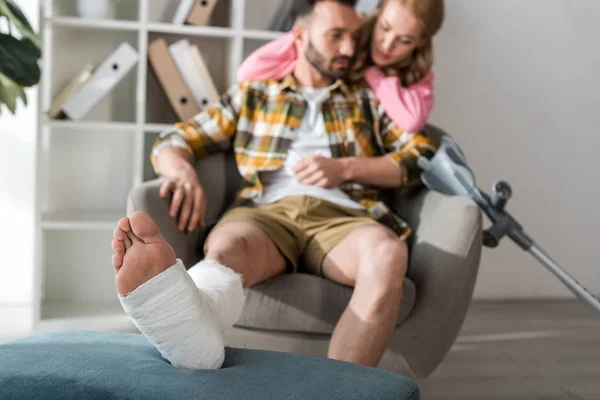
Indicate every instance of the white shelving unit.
{"type": "Point", "coordinates": [86, 168]}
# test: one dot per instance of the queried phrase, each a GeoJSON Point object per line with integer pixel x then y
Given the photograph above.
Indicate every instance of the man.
{"type": "Point", "coordinates": [315, 155]}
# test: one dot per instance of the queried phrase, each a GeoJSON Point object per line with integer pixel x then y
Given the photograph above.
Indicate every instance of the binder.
{"type": "Point", "coordinates": [171, 81]}
{"type": "Point", "coordinates": [194, 72]}
{"type": "Point", "coordinates": [55, 110]}
{"type": "Point", "coordinates": [103, 80]}
{"type": "Point", "coordinates": [210, 87]}
{"type": "Point", "coordinates": [201, 12]}
{"type": "Point", "coordinates": [182, 12]}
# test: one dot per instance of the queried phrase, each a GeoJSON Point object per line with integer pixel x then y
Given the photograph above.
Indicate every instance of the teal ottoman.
{"type": "Point", "coordinates": [110, 365]}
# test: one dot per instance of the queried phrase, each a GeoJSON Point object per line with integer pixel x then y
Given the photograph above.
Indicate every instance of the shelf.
{"type": "Point", "coordinates": [78, 278]}
{"type": "Point", "coordinates": [89, 23]}
{"type": "Point", "coordinates": [156, 128]}
{"type": "Point", "coordinates": [87, 171]}
{"type": "Point", "coordinates": [81, 220]}
{"type": "Point", "coordinates": [78, 309]}
{"type": "Point", "coordinates": [84, 315]}
{"type": "Point", "coordinates": [86, 168]}
{"type": "Point", "coordinates": [90, 125]}
{"type": "Point", "coordinates": [163, 27]}
{"type": "Point", "coordinates": [73, 49]}
{"type": "Point", "coordinates": [216, 56]}
{"type": "Point", "coordinates": [191, 30]}
{"type": "Point", "coordinates": [261, 34]}
{"type": "Point", "coordinates": [126, 10]}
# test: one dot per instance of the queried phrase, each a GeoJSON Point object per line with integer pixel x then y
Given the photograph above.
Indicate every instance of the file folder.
{"type": "Point", "coordinates": [171, 81]}
{"type": "Point", "coordinates": [112, 70]}
{"type": "Point", "coordinates": [55, 110]}
{"type": "Point", "coordinates": [194, 72]}
{"type": "Point", "coordinates": [182, 12]}
{"type": "Point", "coordinates": [210, 87]}
{"type": "Point", "coordinates": [201, 12]}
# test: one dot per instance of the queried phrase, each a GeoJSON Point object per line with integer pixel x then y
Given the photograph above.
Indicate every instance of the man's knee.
{"type": "Point", "coordinates": [231, 248]}
{"type": "Point", "coordinates": [226, 239]}
{"type": "Point", "coordinates": [246, 249]}
{"type": "Point", "coordinates": [384, 261]}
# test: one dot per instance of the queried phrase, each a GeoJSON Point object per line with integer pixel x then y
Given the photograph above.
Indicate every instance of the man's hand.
{"type": "Point", "coordinates": [320, 171]}
{"type": "Point", "coordinates": [188, 196]}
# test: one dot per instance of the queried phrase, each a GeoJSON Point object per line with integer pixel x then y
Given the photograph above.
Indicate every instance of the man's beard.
{"type": "Point", "coordinates": [319, 62]}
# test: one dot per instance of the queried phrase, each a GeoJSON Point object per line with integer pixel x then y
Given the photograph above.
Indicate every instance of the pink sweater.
{"type": "Point", "coordinates": [408, 107]}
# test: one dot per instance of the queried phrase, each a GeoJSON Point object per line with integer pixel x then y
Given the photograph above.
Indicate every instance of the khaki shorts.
{"type": "Point", "coordinates": [303, 228]}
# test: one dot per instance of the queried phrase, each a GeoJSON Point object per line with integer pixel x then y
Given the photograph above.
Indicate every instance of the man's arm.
{"type": "Point", "coordinates": [378, 171]}
{"type": "Point", "coordinates": [399, 167]}
{"type": "Point", "coordinates": [208, 132]}
{"type": "Point", "coordinates": [176, 149]}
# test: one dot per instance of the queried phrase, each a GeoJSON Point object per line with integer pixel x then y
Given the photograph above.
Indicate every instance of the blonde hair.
{"type": "Point", "coordinates": [419, 63]}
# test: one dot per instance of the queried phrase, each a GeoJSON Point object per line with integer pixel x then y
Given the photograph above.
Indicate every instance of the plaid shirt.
{"type": "Point", "coordinates": [258, 119]}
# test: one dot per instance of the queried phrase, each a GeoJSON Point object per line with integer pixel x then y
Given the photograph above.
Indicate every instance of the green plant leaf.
{"type": "Point", "coordinates": [10, 91]}
{"type": "Point", "coordinates": [18, 60]}
{"type": "Point", "coordinates": [15, 16]}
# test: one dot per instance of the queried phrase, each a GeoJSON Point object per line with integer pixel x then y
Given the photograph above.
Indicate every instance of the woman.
{"type": "Point", "coordinates": [394, 54]}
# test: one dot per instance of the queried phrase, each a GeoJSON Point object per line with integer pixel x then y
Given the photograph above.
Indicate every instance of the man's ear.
{"type": "Point", "coordinates": [298, 31]}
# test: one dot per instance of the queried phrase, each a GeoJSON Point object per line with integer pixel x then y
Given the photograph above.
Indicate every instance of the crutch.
{"type": "Point", "coordinates": [447, 172]}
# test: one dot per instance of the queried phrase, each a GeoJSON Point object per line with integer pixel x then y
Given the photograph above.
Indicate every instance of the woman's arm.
{"type": "Point", "coordinates": [408, 107]}
{"type": "Point", "coordinates": [275, 59]}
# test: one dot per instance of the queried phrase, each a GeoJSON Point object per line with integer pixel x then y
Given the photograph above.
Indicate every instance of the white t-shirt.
{"type": "Point", "coordinates": [311, 139]}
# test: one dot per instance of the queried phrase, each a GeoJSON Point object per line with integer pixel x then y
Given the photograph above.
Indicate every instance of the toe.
{"type": "Point", "coordinates": [124, 224]}
{"type": "Point", "coordinates": [118, 246]}
{"type": "Point", "coordinates": [122, 232]}
{"type": "Point", "coordinates": [145, 228]}
{"type": "Point", "coordinates": [123, 237]}
{"type": "Point", "coordinates": [119, 234]}
{"type": "Point", "coordinates": [117, 261]}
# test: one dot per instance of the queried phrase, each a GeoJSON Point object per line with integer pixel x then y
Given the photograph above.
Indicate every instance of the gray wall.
{"type": "Point", "coordinates": [518, 85]}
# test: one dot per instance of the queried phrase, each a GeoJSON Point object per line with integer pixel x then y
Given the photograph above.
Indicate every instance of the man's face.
{"type": "Point", "coordinates": [328, 40]}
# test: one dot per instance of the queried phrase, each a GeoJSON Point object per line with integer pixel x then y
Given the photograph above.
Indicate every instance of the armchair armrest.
{"type": "Point", "coordinates": [444, 263]}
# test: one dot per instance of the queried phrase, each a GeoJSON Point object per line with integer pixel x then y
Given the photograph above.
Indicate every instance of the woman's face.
{"type": "Point", "coordinates": [396, 34]}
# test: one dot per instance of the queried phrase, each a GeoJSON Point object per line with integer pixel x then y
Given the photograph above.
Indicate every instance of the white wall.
{"type": "Point", "coordinates": [518, 85]}
{"type": "Point", "coordinates": [17, 191]}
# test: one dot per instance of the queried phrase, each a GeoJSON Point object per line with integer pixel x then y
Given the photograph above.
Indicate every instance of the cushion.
{"type": "Point", "coordinates": [305, 303]}
{"type": "Point", "coordinates": [113, 365]}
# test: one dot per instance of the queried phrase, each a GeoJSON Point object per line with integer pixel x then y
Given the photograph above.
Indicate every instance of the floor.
{"type": "Point", "coordinates": [13, 322]}
{"type": "Point", "coordinates": [526, 351]}
{"type": "Point", "coordinates": [509, 351]}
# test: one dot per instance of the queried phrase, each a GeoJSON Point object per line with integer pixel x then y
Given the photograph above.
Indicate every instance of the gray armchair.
{"type": "Point", "coordinates": [297, 313]}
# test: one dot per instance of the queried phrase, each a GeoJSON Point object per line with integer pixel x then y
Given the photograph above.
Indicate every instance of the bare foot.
{"type": "Point", "coordinates": [141, 252]}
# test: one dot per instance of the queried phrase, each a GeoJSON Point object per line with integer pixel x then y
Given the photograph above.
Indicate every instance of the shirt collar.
{"type": "Point", "coordinates": [289, 82]}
